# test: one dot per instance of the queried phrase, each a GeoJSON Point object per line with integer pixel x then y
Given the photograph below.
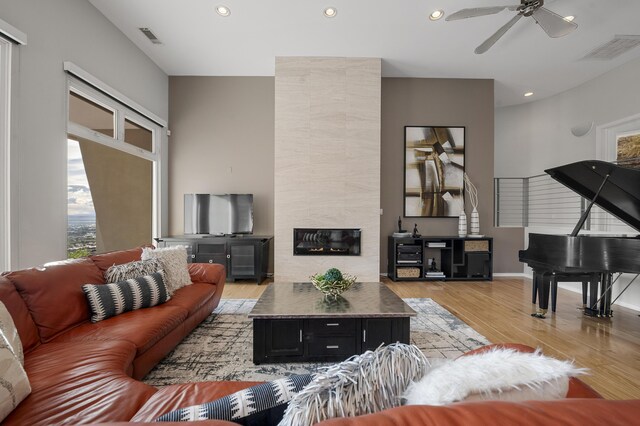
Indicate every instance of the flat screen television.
{"type": "Point", "coordinates": [218, 214]}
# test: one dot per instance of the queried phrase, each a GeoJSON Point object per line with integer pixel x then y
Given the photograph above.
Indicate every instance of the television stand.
{"type": "Point", "coordinates": [244, 257]}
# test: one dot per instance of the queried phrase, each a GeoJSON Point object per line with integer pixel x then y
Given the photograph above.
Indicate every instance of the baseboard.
{"type": "Point", "coordinates": [628, 306]}
{"type": "Point", "coordinates": [511, 274]}
{"type": "Point", "coordinates": [384, 274]}
{"type": "Point", "coordinates": [579, 291]}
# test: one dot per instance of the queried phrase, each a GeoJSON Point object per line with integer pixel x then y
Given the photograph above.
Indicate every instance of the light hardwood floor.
{"type": "Point", "coordinates": [500, 310]}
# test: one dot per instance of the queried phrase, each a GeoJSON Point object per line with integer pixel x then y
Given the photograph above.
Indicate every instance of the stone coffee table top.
{"type": "Point", "coordinates": [303, 300]}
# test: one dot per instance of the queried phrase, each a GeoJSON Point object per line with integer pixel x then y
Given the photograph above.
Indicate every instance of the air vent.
{"type": "Point", "coordinates": [150, 35]}
{"type": "Point", "coordinates": [614, 48]}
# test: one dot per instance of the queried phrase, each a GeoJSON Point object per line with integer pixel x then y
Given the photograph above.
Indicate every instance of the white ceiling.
{"type": "Point", "coordinates": [196, 41]}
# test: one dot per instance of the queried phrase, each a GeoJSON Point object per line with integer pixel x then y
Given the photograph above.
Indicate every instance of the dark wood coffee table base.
{"type": "Point", "coordinates": [326, 339]}
{"type": "Point", "coordinates": [295, 322]}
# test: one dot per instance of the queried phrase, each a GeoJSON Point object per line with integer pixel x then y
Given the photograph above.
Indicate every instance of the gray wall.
{"type": "Point", "coordinates": [443, 102]}
{"type": "Point", "coordinates": [61, 30]}
{"type": "Point", "coordinates": [527, 134]}
{"type": "Point", "coordinates": [222, 142]}
{"type": "Point", "coordinates": [222, 122]}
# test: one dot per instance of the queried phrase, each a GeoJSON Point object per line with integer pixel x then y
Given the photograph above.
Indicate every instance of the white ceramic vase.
{"type": "Point", "coordinates": [475, 223]}
{"type": "Point", "coordinates": [462, 224]}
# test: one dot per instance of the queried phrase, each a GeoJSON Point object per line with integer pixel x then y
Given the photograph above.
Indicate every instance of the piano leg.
{"type": "Point", "coordinates": [585, 284]}
{"type": "Point", "coordinates": [542, 283]}
{"type": "Point", "coordinates": [554, 291]}
{"type": "Point", "coordinates": [592, 309]}
{"type": "Point", "coordinates": [602, 309]}
{"type": "Point", "coordinates": [534, 292]}
{"type": "Point", "coordinates": [605, 302]}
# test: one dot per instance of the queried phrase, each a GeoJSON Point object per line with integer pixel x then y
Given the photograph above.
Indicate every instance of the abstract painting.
{"type": "Point", "coordinates": [433, 171]}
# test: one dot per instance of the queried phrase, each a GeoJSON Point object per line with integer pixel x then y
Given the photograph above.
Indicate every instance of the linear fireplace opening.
{"type": "Point", "coordinates": [326, 242]}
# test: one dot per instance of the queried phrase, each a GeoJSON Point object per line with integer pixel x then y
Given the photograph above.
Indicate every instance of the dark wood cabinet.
{"type": "Point", "coordinates": [284, 338]}
{"type": "Point", "coordinates": [440, 258]}
{"type": "Point", "coordinates": [244, 257]}
{"type": "Point", "coordinates": [376, 331]}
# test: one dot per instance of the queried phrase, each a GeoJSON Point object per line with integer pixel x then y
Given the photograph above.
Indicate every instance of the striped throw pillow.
{"type": "Point", "coordinates": [262, 404]}
{"type": "Point", "coordinates": [108, 300]}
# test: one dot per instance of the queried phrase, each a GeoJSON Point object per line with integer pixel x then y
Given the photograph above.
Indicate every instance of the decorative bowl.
{"type": "Point", "coordinates": [332, 288]}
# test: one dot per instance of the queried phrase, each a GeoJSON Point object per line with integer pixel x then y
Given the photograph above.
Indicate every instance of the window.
{"type": "Point", "coordinates": [91, 115]}
{"type": "Point", "coordinates": [5, 98]}
{"type": "Point", "coordinates": [10, 39]}
{"type": "Point", "coordinates": [113, 157]}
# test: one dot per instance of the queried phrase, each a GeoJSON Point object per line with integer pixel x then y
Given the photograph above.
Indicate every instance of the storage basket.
{"type": "Point", "coordinates": [408, 272]}
{"type": "Point", "coordinates": [480, 245]}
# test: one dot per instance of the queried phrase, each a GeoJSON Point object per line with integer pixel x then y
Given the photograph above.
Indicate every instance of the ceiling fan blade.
{"type": "Point", "coordinates": [496, 36]}
{"type": "Point", "coordinates": [552, 23]}
{"type": "Point", "coordinates": [475, 11]}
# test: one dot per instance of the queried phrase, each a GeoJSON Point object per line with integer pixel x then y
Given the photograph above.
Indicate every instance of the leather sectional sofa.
{"type": "Point", "coordinates": [84, 373]}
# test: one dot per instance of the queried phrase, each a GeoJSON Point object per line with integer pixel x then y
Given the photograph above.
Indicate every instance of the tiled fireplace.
{"type": "Point", "coordinates": [327, 167]}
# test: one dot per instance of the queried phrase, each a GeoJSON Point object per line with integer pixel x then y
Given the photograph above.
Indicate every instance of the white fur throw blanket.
{"type": "Point", "coordinates": [493, 372]}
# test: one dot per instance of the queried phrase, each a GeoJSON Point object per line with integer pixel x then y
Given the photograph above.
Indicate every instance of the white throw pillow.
{"type": "Point", "coordinates": [496, 374]}
{"type": "Point", "coordinates": [174, 265]}
{"type": "Point", "coordinates": [8, 327]}
{"type": "Point", "coordinates": [14, 386]}
{"type": "Point", "coordinates": [132, 270]}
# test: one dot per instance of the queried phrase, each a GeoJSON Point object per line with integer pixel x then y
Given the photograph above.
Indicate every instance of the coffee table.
{"type": "Point", "coordinates": [295, 322]}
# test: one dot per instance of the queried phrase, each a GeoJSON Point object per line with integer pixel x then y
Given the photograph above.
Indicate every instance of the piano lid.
{"type": "Point", "coordinates": [620, 196]}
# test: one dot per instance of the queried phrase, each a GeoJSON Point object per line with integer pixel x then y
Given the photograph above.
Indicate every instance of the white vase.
{"type": "Point", "coordinates": [475, 223]}
{"type": "Point", "coordinates": [462, 224]}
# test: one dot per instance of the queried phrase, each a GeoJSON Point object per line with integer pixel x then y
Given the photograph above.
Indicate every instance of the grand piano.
{"type": "Point", "coordinates": [590, 259]}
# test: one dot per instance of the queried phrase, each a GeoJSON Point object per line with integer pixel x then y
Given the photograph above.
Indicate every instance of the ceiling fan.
{"type": "Point", "coordinates": [552, 23]}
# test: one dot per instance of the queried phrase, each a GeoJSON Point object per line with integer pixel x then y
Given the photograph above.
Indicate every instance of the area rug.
{"type": "Point", "coordinates": [221, 347]}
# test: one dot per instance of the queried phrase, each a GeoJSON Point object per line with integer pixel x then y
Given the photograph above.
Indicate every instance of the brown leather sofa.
{"type": "Point", "coordinates": [84, 373]}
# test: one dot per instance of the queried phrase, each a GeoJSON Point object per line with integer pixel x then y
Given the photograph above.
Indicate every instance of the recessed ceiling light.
{"type": "Point", "coordinates": [330, 12]}
{"type": "Point", "coordinates": [436, 14]}
{"type": "Point", "coordinates": [569, 18]}
{"type": "Point", "coordinates": [223, 10]}
{"type": "Point", "coordinates": [528, 94]}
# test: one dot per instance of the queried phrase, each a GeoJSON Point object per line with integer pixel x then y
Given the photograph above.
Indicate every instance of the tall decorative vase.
{"type": "Point", "coordinates": [462, 224]}
{"type": "Point", "coordinates": [475, 222]}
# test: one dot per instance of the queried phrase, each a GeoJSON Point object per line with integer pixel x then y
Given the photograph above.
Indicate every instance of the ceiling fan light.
{"type": "Point", "coordinates": [330, 12]}
{"type": "Point", "coordinates": [526, 95]}
{"type": "Point", "coordinates": [223, 11]}
{"type": "Point", "coordinates": [569, 18]}
{"type": "Point", "coordinates": [436, 14]}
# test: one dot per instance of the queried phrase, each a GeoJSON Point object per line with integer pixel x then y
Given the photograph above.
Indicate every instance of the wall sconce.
{"type": "Point", "coordinates": [582, 129]}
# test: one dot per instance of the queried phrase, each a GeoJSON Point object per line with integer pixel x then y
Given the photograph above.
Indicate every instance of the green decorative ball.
{"type": "Point", "coordinates": [333, 275]}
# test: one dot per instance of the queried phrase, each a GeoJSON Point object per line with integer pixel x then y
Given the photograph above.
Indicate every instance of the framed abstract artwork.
{"type": "Point", "coordinates": [628, 149]}
{"type": "Point", "coordinates": [433, 171]}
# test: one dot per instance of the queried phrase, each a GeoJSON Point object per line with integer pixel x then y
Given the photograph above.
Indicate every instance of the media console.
{"type": "Point", "coordinates": [440, 258]}
{"type": "Point", "coordinates": [244, 257]}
